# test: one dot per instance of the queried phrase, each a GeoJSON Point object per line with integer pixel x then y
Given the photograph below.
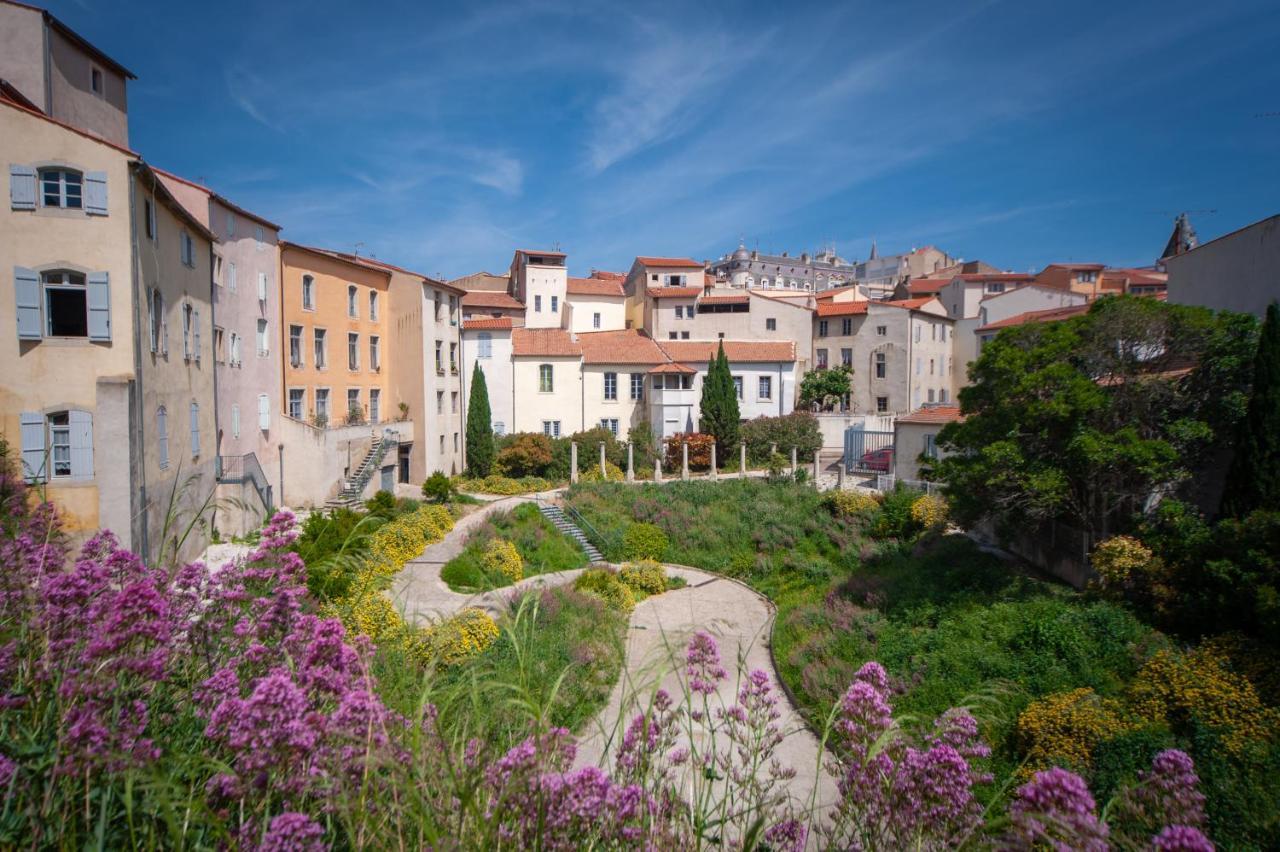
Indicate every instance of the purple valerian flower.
{"type": "Point", "coordinates": [1168, 794]}
{"type": "Point", "coordinates": [1181, 838]}
{"type": "Point", "coordinates": [8, 771]}
{"type": "Point", "coordinates": [786, 836]}
{"type": "Point", "coordinates": [293, 832]}
{"type": "Point", "coordinates": [703, 663]}
{"type": "Point", "coordinates": [271, 731]}
{"type": "Point", "coordinates": [1055, 809]}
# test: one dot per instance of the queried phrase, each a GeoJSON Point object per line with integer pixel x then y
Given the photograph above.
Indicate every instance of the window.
{"type": "Point", "coordinates": [95, 81]}
{"type": "Point", "coordinates": [919, 365]}
{"type": "Point", "coordinates": [439, 402]}
{"type": "Point", "coordinates": [846, 357]}
{"type": "Point", "coordinates": [537, 305]}
{"type": "Point", "coordinates": [771, 324]}
{"type": "Point", "coordinates": [62, 188]}
{"type": "Point", "coordinates": [611, 386]}
{"type": "Point", "coordinates": [219, 355]}
{"type": "Point", "coordinates": [931, 366]}
{"type": "Point", "coordinates": [453, 402]}
{"type": "Point", "coordinates": [264, 412]}
{"type": "Point", "coordinates": [352, 310]}
{"type": "Point", "coordinates": [375, 404]}
{"type": "Point", "coordinates": [674, 280]}
{"type": "Point", "coordinates": [149, 213]}
{"type": "Point", "coordinates": [353, 351]}
{"type": "Point", "coordinates": [58, 445]}
{"type": "Point", "coordinates": [931, 395]}
{"type": "Point", "coordinates": [882, 330]}
{"type": "Point", "coordinates": [930, 446]}
{"type": "Point", "coordinates": [684, 335]}
{"type": "Point", "coordinates": [822, 328]}
{"type": "Point", "coordinates": [375, 356]}
{"type": "Point", "coordinates": [882, 365]}
{"type": "Point", "coordinates": [765, 388]}
{"type": "Point", "coordinates": [259, 237]}
{"type": "Point", "coordinates": [610, 423]}
{"type": "Point", "coordinates": [455, 442]}
{"type": "Point", "coordinates": [296, 397]}
{"type": "Point", "coordinates": [679, 311]}
{"type": "Point", "coordinates": [438, 304]}
{"type": "Point", "coordinates": [264, 341]}
{"type": "Point", "coordinates": [231, 277]}
{"type": "Point", "coordinates": [66, 304]}
{"type": "Point", "coordinates": [916, 332]}
{"type": "Point", "coordinates": [672, 335]}
{"type": "Point", "coordinates": [453, 358]}
{"type": "Point", "coordinates": [440, 357]}
{"type": "Point", "coordinates": [262, 286]}
{"type": "Point", "coordinates": [484, 345]}
{"type": "Point", "coordinates": [595, 320]}
{"type": "Point", "coordinates": [995, 287]}
{"type": "Point", "coordinates": [737, 386]}
{"type": "Point", "coordinates": [322, 404]}
{"type": "Point", "coordinates": [162, 436]}
{"type": "Point", "coordinates": [235, 350]}
{"type": "Point", "coordinates": [188, 249]}
{"type": "Point", "coordinates": [637, 386]}
{"type": "Point", "coordinates": [546, 381]}
{"type": "Point", "coordinates": [373, 304]}
{"type": "Point", "coordinates": [308, 293]}
{"type": "Point", "coordinates": [235, 421]}
{"type": "Point", "coordinates": [846, 326]}
{"type": "Point", "coordinates": [944, 395]}
{"type": "Point", "coordinates": [195, 429]}
{"type": "Point", "coordinates": [354, 410]}
{"type": "Point", "coordinates": [188, 326]}
{"type": "Point", "coordinates": [319, 358]}
{"type": "Point", "coordinates": [1088, 277]}
{"type": "Point", "coordinates": [551, 427]}
{"type": "Point", "coordinates": [882, 404]}
{"type": "Point", "coordinates": [499, 428]}
{"type": "Point", "coordinates": [295, 346]}
{"type": "Point", "coordinates": [555, 304]}
{"type": "Point", "coordinates": [822, 359]}
{"type": "Point", "coordinates": [231, 224]}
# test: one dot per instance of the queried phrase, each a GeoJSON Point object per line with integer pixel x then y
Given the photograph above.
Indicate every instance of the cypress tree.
{"type": "Point", "coordinates": [1254, 478]}
{"type": "Point", "coordinates": [719, 409]}
{"type": "Point", "coordinates": [479, 431]}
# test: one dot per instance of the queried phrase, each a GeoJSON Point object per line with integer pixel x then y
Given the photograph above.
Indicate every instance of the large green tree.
{"type": "Point", "coordinates": [1086, 421]}
{"type": "Point", "coordinates": [1254, 478]}
{"type": "Point", "coordinates": [719, 410]}
{"type": "Point", "coordinates": [480, 448]}
{"type": "Point", "coordinates": [825, 387]}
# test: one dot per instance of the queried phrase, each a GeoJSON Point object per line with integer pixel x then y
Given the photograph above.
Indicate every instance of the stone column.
{"type": "Point", "coordinates": [817, 466]}
{"type": "Point", "coordinates": [742, 460]}
{"type": "Point", "coordinates": [604, 474]}
{"type": "Point", "coordinates": [840, 475]}
{"type": "Point", "coordinates": [573, 461]}
{"type": "Point", "coordinates": [657, 465]}
{"type": "Point", "coordinates": [793, 461]}
{"type": "Point", "coordinates": [773, 448]}
{"type": "Point", "coordinates": [684, 464]}
{"type": "Point", "coordinates": [631, 463]}
{"type": "Point", "coordinates": [713, 461]}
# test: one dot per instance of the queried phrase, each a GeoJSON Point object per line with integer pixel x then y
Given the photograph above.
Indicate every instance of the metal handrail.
{"type": "Point", "coordinates": [245, 468]}
{"type": "Point", "coordinates": [602, 543]}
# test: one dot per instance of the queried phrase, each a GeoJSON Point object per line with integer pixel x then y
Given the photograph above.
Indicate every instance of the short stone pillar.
{"type": "Point", "coordinates": [657, 466]}
{"type": "Point", "coordinates": [604, 474]}
{"type": "Point", "coordinates": [713, 461]}
{"type": "Point", "coordinates": [684, 461]}
{"type": "Point", "coordinates": [573, 461]}
{"type": "Point", "coordinates": [631, 463]}
{"type": "Point", "coordinates": [793, 461]}
{"type": "Point", "coordinates": [817, 466]}
{"type": "Point", "coordinates": [773, 449]}
{"type": "Point", "coordinates": [840, 475]}
{"type": "Point", "coordinates": [742, 460]}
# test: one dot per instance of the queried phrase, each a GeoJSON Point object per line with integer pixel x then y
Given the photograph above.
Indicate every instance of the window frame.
{"type": "Point", "coordinates": [62, 183]}
{"type": "Point", "coordinates": [65, 285]}
{"type": "Point", "coordinates": [546, 378]}
{"type": "Point", "coordinates": [610, 387]}
{"type": "Point", "coordinates": [308, 292]}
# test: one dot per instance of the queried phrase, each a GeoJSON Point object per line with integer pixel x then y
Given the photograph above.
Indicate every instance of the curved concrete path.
{"type": "Point", "coordinates": [660, 628]}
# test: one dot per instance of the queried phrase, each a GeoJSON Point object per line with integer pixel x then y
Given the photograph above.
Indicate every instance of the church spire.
{"type": "Point", "coordinates": [1182, 240]}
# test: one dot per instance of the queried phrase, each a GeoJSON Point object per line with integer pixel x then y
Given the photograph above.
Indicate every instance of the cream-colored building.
{"type": "Point", "coordinates": [963, 295]}
{"type": "Point", "coordinates": [546, 371]}
{"type": "Point", "coordinates": [539, 281]}
{"type": "Point", "coordinates": [1235, 272]}
{"type": "Point", "coordinates": [487, 341]}
{"type": "Point", "coordinates": [615, 378]}
{"type": "Point", "coordinates": [915, 439]}
{"type": "Point", "coordinates": [595, 304]}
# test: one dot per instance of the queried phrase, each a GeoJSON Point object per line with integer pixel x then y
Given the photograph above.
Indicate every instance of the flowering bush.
{"type": "Point", "coordinates": [603, 584]}
{"type": "Point", "coordinates": [612, 473]}
{"type": "Point", "coordinates": [395, 543]}
{"type": "Point", "coordinates": [644, 541]}
{"type": "Point", "coordinates": [501, 559]}
{"type": "Point", "coordinates": [850, 504]}
{"type": "Point", "coordinates": [644, 577]}
{"type": "Point", "coordinates": [506, 486]}
{"type": "Point", "coordinates": [699, 452]}
{"type": "Point", "coordinates": [456, 639]}
{"type": "Point", "coordinates": [525, 455]}
{"type": "Point", "coordinates": [1064, 728]}
{"type": "Point", "coordinates": [929, 511]}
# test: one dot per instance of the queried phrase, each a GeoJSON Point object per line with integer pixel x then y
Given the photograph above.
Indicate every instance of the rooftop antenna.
{"type": "Point", "coordinates": [556, 246]}
{"type": "Point", "coordinates": [355, 250]}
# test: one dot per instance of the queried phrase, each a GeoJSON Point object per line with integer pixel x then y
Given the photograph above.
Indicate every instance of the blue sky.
{"type": "Point", "coordinates": [442, 137]}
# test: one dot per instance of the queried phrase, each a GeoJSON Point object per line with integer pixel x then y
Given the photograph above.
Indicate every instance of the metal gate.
{"type": "Point", "coordinates": [867, 452]}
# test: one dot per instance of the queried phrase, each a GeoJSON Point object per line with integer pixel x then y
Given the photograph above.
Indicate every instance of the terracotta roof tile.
{"type": "Point", "coordinates": [490, 299]}
{"type": "Point", "coordinates": [674, 292]}
{"type": "Point", "coordinates": [608, 276]}
{"type": "Point", "coordinates": [670, 262]}
{"type": "Point", "coordinates": [628, 346]}
{"type": "Point", "coordinates": [731, 299]}
{"type": "Point", "coordinates": [996, 276]}
{"type": "Point", "coordinates": [673, 367]}
{"type": "Point", "coordinates": [594, 287]}
{"type": "Point", "coordinates": [841, 309]}
{"type": "Point", "coordinates": [747, 351]}
{"type": "Point", "coordinates": [909, 304]}
{"type": "Point", "coordinates": [494, 323]}
{"type": "Point", "coordinates": [550, 342]}
{"type": "Point", "coordinates": [1047, 315]}
{"type": "Point", "coordinates": [933, 414]}
{"type": "Point", "coordinates": [926, 286]}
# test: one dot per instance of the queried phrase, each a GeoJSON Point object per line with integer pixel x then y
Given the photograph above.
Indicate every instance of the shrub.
{"type": "Point", "coordinates": [528, 454]}
{"type": "Point", "coordinates": [850, 504]}
{"type": "Point", "coordinates": [929, 511]}
{"type": "Point", "coordinates": [437, 487]}
{"type": "Point", "coordinates": [699, 451]}
{"type": "Point", "coordinates": [501, 559]}
{"type": "Point", "coordinates": [776, 465]}
{"type": "Point", "coordinates": [1063, 729]}
{"type": "Point", "coordinates": [506, 486]}
{"type": "Point", "coordinates": [382, 504]}
{"type": "Point", "coordinates": [644, 541]}
{"type": "Point", "coordinates": [604, 585]}
{"type": "Point", "coordinates": [894, 520]}
{"type": "Point", "coordinates": [613, 473]}
{"type": "Point", "coordinates": [798, 429]}
{"type": "Point", "coordinates": [456, 639]}
{"type": "Point", "coordinates": [644, 577]}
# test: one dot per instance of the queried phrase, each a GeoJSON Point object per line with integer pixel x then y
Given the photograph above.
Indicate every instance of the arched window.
{"type": "Point", "coordinates": [373, 304]}
{"type": "Point", "coordinates": [353, 305]}
{"type": "Point", "coordinates": [162, 436]}
{"type": "Point", "coordinates": [308, 293]}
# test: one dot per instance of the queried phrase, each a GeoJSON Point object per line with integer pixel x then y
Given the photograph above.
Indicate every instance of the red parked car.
{"type": "Point", "coordinates": [880, 460]}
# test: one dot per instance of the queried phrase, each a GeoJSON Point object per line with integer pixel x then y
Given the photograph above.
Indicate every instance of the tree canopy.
{"type": "Point", "coordinates": [480, 450]}
{"type": "Point", "coordinates": [719, 414]}
{"type": "Point", "coordinates": [1254, 480]}
{"type": "Point", "coordinates": [825, 387]}
{"type": "Point", "coordinates": [1089, 421]}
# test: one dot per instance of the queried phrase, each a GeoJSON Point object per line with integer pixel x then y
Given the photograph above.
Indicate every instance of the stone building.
{"type": "Point", "coordinates": [750, 270]}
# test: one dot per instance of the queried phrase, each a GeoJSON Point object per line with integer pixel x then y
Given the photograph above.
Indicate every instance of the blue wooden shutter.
{"type": "Point", "coordinates": [99, 298]}
{"type": "Point", "coordinates": [186, 331]}
{"type": "Point", "coordinates": [33, 451]}
{"type": "Point", "coordinates": [95, 193]}
{"type": "Point", "coordinates": [195, 429]}
{"type": "Point", "coordinates": [22, 187]}
{"type": "Point", "coordinates": [81, 444]}
{"type": "Point", "coordinates": [195, 323]}
{"type": "Point", "coordinates": [153, 329]}
{"type": "Point", "coordinates": [26, 288]}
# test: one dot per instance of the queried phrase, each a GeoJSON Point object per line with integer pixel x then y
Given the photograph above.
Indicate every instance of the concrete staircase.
{"type": "Point", "coordinates": [561, 521]}
{"type": "Point", "coordinates": [353, 490]}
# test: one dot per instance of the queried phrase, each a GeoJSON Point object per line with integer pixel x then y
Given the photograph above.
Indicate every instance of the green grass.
{"type": "Point", "coordinates": [544, 549]}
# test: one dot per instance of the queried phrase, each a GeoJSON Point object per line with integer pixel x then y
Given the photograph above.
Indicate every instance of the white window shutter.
{"type": "Point", "coordinates": [235, 421]}
{"type": "Point", "coordinates": [152, 319]}
{"type": "Point", "coordinates": [264, 412]}
{"type": "Point", "coordinates": [231, 277]}
{"type": "Point", "coordinates": [26, 288]}
{"type": "Point", "coordinates": [195, 429]}
{"type": "Point", "coordinates": [33, 452]}
{"type": "Point", "coordinates": [195, 322]}
{"type": "Point", "coordinates": [81, 444]}
{"type": "Point", "coordinates": [162, 436]}
{"type": "Point", "coordinates": [95, 193]}
{"type": "Point", "coordinates": [22, 187]}
{"type": "Point", "coordinates": [99, 298]}
{"type": "Point", "coordinates": [164, 330]}
{"type": "Point", "coordinates": [262, 286]}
